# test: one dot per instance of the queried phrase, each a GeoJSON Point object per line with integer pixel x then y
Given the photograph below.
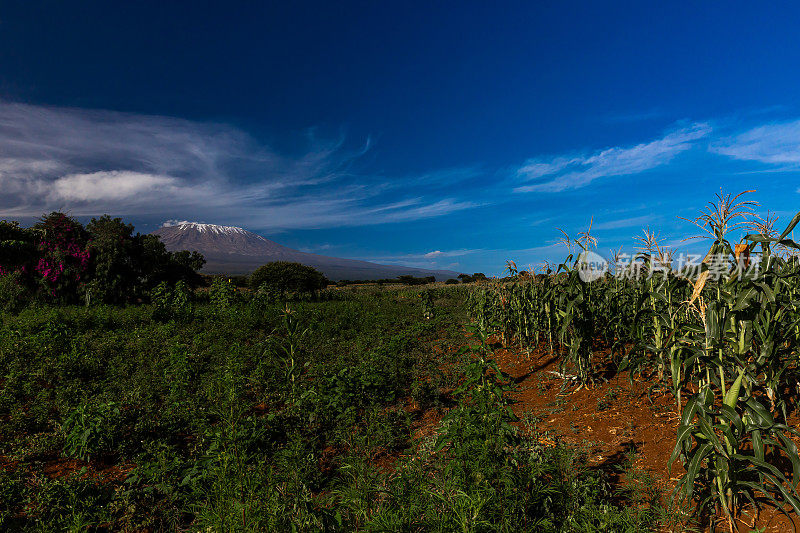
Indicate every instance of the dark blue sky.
{"type": "Point", "coordinates": [437, 134]}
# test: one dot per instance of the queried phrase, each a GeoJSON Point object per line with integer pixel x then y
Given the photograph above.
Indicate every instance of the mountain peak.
{"type": "Point", "coordinates": [210, 239]}
{"type": "Point", "coordinates": [184, 225]}
{"type": "Point", "coordinates": [233, 250]}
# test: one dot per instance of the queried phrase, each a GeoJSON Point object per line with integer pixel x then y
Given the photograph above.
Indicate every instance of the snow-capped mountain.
{"type": "Point", "coordinates": [213, 239]}
{"type": "Point", "coordinates": [232, 250]}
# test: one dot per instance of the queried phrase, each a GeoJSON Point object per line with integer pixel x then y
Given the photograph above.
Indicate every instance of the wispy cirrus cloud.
{"type": "Point", "coordinates": [92, 162]}
{"type": "Point", "coordinates": [625, 222]}
{"type": "Point", "coordinates": [449, 253]}
{"type": "Point", "coordinates": [560, 173]}
{"type": "Point", "coordinates": [318, 248]}
{"type": "Point", "coordinates": [776, 144]}
{"type": "Point", "coordinates": [433, 259]}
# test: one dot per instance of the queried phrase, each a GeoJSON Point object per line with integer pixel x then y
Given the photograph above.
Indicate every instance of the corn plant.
{"type": "Point", "coordinates": [222, 293]}
{"type": "Point", "coordinates": [725, 344]}
{"type": "Point", "coordinates": [722, 438]}
{"type": "Point", "coordinates": [171, 303]}
{"type": "Point", "coordinates": [428, 311]}
{"type": "Point", "coordinates": [289, 346]}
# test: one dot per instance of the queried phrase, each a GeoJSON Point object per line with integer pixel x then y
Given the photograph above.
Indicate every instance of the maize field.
{"type": "Point", "coordinates": [721, 337]}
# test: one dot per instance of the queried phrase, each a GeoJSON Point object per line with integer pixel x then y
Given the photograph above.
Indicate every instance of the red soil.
{"type": "Point", "coordinates": [611, 419]}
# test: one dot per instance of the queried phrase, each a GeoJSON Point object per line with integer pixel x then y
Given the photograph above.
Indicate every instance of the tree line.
{"type": "Point", "coordinates": [59, 260]}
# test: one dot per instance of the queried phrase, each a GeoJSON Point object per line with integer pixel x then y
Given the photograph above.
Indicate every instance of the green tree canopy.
{"type": "Point", "coordinates": [288, 277]}
{"type": "Point", "coordinates": [128, 265]}
{"type": "Point", "coordinates": [17, 246]}
{"type": "Point", "coordinates": [59, 259]}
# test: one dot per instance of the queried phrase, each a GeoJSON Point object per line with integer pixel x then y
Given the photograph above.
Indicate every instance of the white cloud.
{"type": "Point", "coordinates": [449, 253]}
{"type": "Point", "coordinates": [624, 223]}
{"type": "Point", "coordinates": [563, 173]}
{"type": "Point", "coordinates": [425, 260]}
{"type": "Point", "coordinates": [317, 248]}
{"type": "Point", "coordinates": [94, 162]}
{"type": "Point", "coordinates": [174, 222]}
{"type": "Point", "coordinates": [111, 185]}
{"type": "Point", "coordinates": [15, 166]}
{"type": "Point", "coordinates": [771, 143]}
{"type": "Point", "coordinates": [536, 168]}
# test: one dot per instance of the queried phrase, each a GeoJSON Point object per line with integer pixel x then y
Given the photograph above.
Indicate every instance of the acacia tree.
{"type": "Point", "coordinates": [284, 276]}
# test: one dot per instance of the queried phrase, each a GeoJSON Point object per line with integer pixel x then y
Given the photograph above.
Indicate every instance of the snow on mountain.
{"type": "Point", "coordinates": [234, 250]}
{"type": "Point", "coordinates": [185, 225]}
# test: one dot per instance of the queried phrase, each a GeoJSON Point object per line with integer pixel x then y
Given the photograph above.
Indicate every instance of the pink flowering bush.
{"type": "Point", "coordinates": [64, 257]}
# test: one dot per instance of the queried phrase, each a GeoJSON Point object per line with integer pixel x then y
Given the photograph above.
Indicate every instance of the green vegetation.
{"type": "Point", "coordinates": [217, 410]}
{"type": "Point", "coordinates": [723, 341]}
{"type": "Point", "coordinates": [133, 398]}
{"type": "Point", "coordinates": [478, 276]}
{"type": "Point", "coordinates": [61, 261]}
{"type": "Point", "coordinates": [284, 277]}
{"type": "Point", "coordinates": [411, 280]}
{"type": "Point", "coordinates": [402, 280]}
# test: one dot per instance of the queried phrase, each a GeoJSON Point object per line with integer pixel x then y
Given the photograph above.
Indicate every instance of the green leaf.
{"type": "Point", "coordinates": [744, 299]}
{"type": "Point", "coordinates": [790, 227]}
{"type": "Point", "coordinates": [767, 292]}
{"type": "Point", "coordinates": [759, 414]}
{"type": "Point", "coordinates": [758, 445]}
{"type": "Point", "coordinates": [791, 452]}
{"type": "Point", "coordinates": [684, 433]}
{"type": "Point", "coordinates": [732, 395]}
{"type": "Point", "coordinates": [694, 468]}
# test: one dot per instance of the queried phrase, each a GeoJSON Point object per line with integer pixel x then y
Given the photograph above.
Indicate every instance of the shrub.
{"type": "Point", "coordinates": [452, 281]}
{"type": "Point", "coordinates": [285, 277]}
{"type": "Point", "coordinates": [171, 303]}
{"type": "Point", "coordinates": [63, 259]}
{"type": "Point", "coordinates": [124, 265]}
{"type": "Point", "coordinates": [428, 311]}
{"type": "Point", "coordinates": [92, 428]}
{"type": "Point", "coordinates": [240, 281]}
{"type": "Point", "coordinates": [12, 292]}
{"type": "Point", "coordinates": [222, 292]}
{"type": "Point", "coordinates": [115, 261]}
{"type": "Point", "coordinates": [265, 296]}
{"type": "Point", "coordinates": [17, 247]}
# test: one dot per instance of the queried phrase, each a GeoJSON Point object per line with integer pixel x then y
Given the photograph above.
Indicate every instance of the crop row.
{"type": "Point", "coordinates": [722, 337]}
